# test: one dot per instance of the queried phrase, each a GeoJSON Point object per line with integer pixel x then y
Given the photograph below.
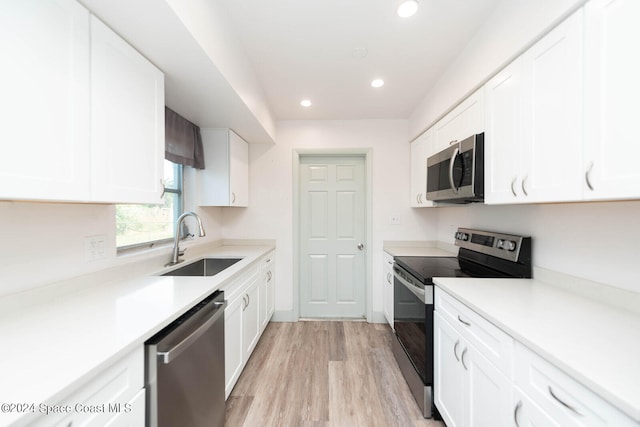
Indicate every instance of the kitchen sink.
{"type": "Point", "coordinates": [204, 267]}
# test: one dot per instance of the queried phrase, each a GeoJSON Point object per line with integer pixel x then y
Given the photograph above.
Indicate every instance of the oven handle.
{"type": "Point", "coordinates": [420, 292]}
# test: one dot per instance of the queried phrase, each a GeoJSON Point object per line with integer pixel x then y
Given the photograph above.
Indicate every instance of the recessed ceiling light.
{"type": "Point", "coordinates": [305, 103]}
{"type": "Point", "coordinates": [407, 8]}
{"type": "Point", "coordinates": [377, 83]}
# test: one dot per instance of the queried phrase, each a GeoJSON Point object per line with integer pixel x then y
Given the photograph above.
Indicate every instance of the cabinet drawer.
{"type": "Point", "coordinates": [493, 343]}
{"type": "Point", "coordinates": [97, 402]}
{"type": "Point", "coordinates": [568, 402]}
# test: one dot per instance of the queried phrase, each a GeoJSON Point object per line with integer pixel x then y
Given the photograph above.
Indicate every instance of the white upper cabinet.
{"type": "Point", "coordinates": [503, 134]}
{"type": "Point", "coordinates": [44, 113]}
{"type": "Point", "coordinates": [225, 179]}
{"type": "Point", "coordinates": [82, 112]}
{"type": "Point", "coordinates": [612, 86]}
{"type": "Point", "coordinates": [127, 118]}
{"type": "Point", "coordinates": [463, 121]}
{"type": "Point", "coordinates": [533, 150]}
{"type": "Point", "coordinates": [552, 115]}
{"type": "Point", "coordinates": [420, 150]}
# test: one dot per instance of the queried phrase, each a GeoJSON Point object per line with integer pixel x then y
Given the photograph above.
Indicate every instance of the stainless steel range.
{"type": "Point", "coordinates": [481, 254]}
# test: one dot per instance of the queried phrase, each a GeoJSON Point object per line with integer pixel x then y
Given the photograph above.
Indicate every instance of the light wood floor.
{"type": "Point", "coordinates": [322, 374]}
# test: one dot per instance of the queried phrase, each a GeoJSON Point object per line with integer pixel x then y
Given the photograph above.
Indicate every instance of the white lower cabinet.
{"type": "Point", "coordinates": [250, 305]}
{"type": "Point", "coordinates": [250, 318]}
{"type": "Point", "coordinates": [469, 390]}
{"type": "Point", "coordinates": [387, 285]}
{"type": "Point", "coordinates": [565, 400]}
{"type": "Point", "coordinates": [114, 397]}
{"type": "Point", "coordinates": [233, 349]}
{"type": "Point", "coordinates": [483, 381]}
{"type": "Point", "coordinates": [528, 414]}
{"type": "Point", "coordinates": [267, 289]}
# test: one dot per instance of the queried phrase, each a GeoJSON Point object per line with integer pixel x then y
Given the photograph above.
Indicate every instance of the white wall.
{"type": "Point", "coordinates": [270, 213]}
{"type": "Point", "coordinates": [44, 243]}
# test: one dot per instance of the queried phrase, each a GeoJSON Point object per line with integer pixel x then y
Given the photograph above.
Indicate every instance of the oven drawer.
{"type": "Point", "coordinates": [566, 401]}
{"type": "Point", "coordinates": [492, 342]}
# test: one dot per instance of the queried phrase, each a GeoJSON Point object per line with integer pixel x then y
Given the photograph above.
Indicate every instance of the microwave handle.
{"type": "Point", "coordinates": [451, 162]}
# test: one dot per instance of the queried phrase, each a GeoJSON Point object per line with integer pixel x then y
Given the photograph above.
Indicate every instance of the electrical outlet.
{"type": "Point", "coordinates": [95, 247]}
{"type": "Point", "coordinates": [395, 220]}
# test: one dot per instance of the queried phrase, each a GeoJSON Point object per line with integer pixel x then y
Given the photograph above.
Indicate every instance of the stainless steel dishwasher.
{"type": "Point", "coordinates": [185, 368]}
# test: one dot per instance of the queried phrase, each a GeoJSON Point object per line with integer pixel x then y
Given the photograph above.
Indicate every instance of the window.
{"type": "Point", "coordinates": [146, 225]}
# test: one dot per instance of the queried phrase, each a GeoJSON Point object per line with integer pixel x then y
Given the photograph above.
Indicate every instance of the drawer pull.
{"type": "Point", "coordinates": [464, 322]}
{"type": "Point", "coordinates": [455, 350]}
{"type": "Point", "coordinates": [566, 405]}
{"type": "Point", "coordinates": [515, 413]}
{"type": "Point", "coordinates": [462, 359]}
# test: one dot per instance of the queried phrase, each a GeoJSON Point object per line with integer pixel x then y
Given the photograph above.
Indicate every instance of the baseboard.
{"type": "Point", "coordinates": [378, 317]}
{"type": "Point", "coordinates": [283, 316]}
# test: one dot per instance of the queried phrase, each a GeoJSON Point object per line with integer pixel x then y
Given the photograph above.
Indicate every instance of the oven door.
{"type": "Point", "coordinates": [456, 174]}
{"type": "Point", "coordinates": [413, 321]}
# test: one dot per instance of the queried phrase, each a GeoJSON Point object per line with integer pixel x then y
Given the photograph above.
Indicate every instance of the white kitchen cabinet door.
{"type": "Point", "coordinates": [528, 414]}
{"type": "Point", "coordinates": [469, 390]}
{"type": "Point", "coordinates": [44, 113]}
{"type": "Point", "coordinates": [251, 318]}
{"type": "Point", "coordinates": [533, 140]}
{"type": "Point", "coordinates": [503, 135]}
{"type": "Point", "coordinates": [387, 284]}
{"type": "Point", "coordinates": [489, 392]}
{"type": "Point", "coordinates": [233, 348]}
{"type": "Point", "coordinates": [239, 171]}
{"type": "Point", "coordinates": [449, 375]}
{"type": "Point", "coordinates": [420, 150]}
{"type": "Point", "coordinates": [551, 166]}
{"type": "Point", "coordinates": [267, 291]}
{"type": "Point", "coordinates": [463, 121]}
{"type": "Point", "coordinates": [127, 121]}
{"type": "Point", "coordinates": [612, 67]}
{"type": "Point", "coordinates": [225, 179]}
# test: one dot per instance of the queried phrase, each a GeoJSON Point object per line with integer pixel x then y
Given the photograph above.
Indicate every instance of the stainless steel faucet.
{"type": "Point", "coordinates": [175, 258]}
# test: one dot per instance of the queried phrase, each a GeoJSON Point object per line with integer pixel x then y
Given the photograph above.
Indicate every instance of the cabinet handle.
{"type": "Point", "coordinates": [513, 189]}
{"type": "Point", "coordinates": [453, 142]}
{"type": "Point", "coordinates": [455, 350]}
{"type": "Point", "coordinates": [420, 198]}
{"type": "Point", "coordinates": [515, 413]}
{"type": "Point", "coordinates": [269, 276]}
{"type": "Point", "coordinates": [244, 299]}
{"type": "Point", "coordinates": [462, 358]}
{"type": "Point", "coordinates": [587, 176]}
{"type": "Point", "coordinates": [248, 300]}
{"type": "Point", "coordinates": [566, 405]}
{"type": "Point", "coordinates": [233, 197]}
{"type": "Point", "coordinates": [523, 181]}
{"type": "Point", "coordinates": [389, 278]}
{"type": "Point", "coordinates": [464, 322]}
{"type": "Point", "coordinates": [163, 188]}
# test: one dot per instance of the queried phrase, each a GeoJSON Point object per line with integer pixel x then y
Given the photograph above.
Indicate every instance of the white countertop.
{"type": "Point", "coordinates": [595, 343]}
{"type": "Point", "coordinates": [51, 348]}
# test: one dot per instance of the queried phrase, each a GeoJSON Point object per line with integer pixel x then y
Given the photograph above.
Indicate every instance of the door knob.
{"type": "Point", "coordinates": [361, 246]}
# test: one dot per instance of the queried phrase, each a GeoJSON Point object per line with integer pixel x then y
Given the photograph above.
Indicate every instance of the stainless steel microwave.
{"type": "Point", "coordinates": [456, 174]}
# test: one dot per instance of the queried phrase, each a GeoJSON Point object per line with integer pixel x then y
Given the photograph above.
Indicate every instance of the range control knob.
{"type": "Point", "coordinates": [462, 236]}
{"type": "Point", "coordinates": [507, 245]}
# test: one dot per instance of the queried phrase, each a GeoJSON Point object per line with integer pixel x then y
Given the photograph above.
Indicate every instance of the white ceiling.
{"type": "Point", "coordinates": [304, 49]}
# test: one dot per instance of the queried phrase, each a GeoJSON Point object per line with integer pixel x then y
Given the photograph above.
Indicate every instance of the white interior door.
{"type": "Point", "coordinates": [332, 236]}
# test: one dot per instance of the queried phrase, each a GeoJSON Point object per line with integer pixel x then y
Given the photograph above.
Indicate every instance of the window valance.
{"type": "Point", "coordinates": [183, 142]}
